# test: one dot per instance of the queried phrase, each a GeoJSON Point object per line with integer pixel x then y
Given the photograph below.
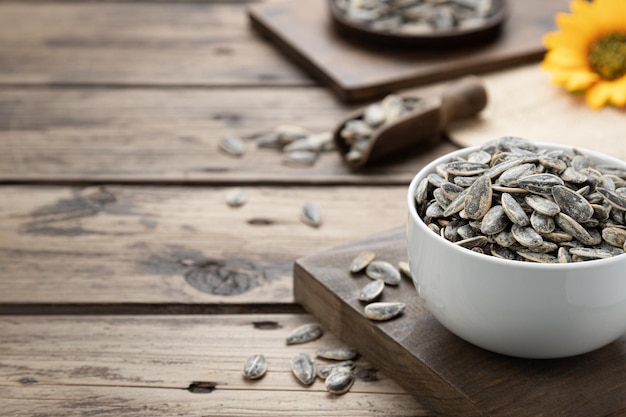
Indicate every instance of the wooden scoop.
{"type": "Point", "coordinates": [463, 98]}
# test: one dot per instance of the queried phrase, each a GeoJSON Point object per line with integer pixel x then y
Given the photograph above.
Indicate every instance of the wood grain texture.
{"type": "Point", "coordinates": [137, 43]}
{"type": "Point", "coordinates": [142, 366]}
{"type": "Point", "coordinates": [446, 373]}
{"type": "Point", "coordinates": [148, 135]}
{"type": "Point", "coordinates": [151, 245]}
{"type": "Point", "coordinates": [523, 102]}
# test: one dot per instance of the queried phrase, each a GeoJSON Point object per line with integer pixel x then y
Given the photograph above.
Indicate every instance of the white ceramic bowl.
{"type": "Point", "coordinates": [517, 308]}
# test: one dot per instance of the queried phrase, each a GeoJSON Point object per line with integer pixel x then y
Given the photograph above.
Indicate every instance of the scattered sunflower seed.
{"type": "Point", "coordinates": [372, 290]}
{"type": "Point", "coordinates": [337, 354]}
{"type": "Point", "coordinates": [255, 367]}
{"type": "Point", "coordinates": [231, 145]}
{"type": "Point", "coordinates": [311, 214]}
{"type": "Point", "coordinates": [305, 333]}
{"type": "Point", "coordinates": [303, 368]}
{"type": "Point", "coordinates": [361, 261]}
{"type": "Point", "coordinates": [339, 382]}
{"type": "Point", "coordinates": [324, 371]}
{"type": "Point", "coordinates": [236, 197]}
{"type": "Point", "coordinates": [384, 271]}
{"type": "Point", "coordinates": [405, 268]}
{"type": "Point", "coordinates": [384, 310]}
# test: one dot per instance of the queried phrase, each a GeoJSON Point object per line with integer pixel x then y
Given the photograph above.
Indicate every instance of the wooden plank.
{"type": "Point", "coordinates": [358, 70]}
{"type": "Point", "coordinates": [121, 245]}
{"type": "Point", "coordinates": [137, 43]}
{"type": "Point", "coordinates": [133, 135]}
{"type": "Point", "coordinates": [126, 365]}
{"type": "Point", "coordinates": [447, 374]}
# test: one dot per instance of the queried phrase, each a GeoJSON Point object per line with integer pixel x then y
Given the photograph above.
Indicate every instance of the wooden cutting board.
{"type": "Point", "coordinates": [355, 71]}
{"type": "Point", "coordinates": [444, 372]}
{"type": "Point", "coordinates": [523, 102]}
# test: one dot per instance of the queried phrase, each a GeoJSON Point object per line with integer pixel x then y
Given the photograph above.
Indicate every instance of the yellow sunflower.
{"type": "Point", "coordinates": [589, 53]}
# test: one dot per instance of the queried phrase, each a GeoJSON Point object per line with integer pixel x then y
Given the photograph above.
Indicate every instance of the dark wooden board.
{"type": "Point", "coordinates": [357, 72]}
{"type": "Point", "coordinates": [444, 372]}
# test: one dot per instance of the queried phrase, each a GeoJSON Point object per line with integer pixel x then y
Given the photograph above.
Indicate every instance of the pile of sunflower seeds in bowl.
{"type": "Point", "coordinates": [517, 200]}
{"type": "Point", "coordinates": [417, 17]}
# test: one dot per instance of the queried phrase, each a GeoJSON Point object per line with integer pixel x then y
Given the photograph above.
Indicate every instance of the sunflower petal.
{"type": "Point", "coordinates": [581, 80]}
{"type": "Point", "coordinates": [598, 95]}
{"type": "Point", "coordinates": [618, 92]}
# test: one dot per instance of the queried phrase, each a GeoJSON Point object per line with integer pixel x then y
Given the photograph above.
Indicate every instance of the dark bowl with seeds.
{"type": "Point", "coordinates": [518, 247]}
{"type": "Point", "coordinates": [421, 24]}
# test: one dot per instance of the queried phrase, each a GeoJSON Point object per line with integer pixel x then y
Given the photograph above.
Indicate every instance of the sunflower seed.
{"type": "Point", "coordinates": [405, 269]}
{"type": "Point", "coordinates": [303, 368]}
{"type": "Point", "coordinates": [514, 210]}
{"type": "Point", "coordinates": [572, 203]}
{"type": "Point", "coordinates": [613, 198]}
{"type": "Point", "coordinates": [339, 382]}
{"type": "Point", "coordinates": [472, 242]}
{"type": "Point", "coordinates": [478, 198]}
{"type": "Point", "coordinates": [540, 183]}
{"type": "Point", "coordinates": [421, 192]}
{"type": "Point", "coordinates": [541, 223]}
{"type": "Point", "coordinates": [563, 255]}
{"type": "Point", "coordinates": [502, 252]}
{"type": "Point", "coordinates": [255, 367]}
{"type": "Point", "coordinates": [311, 214]}
{"type": "Point", "coordinates": [511, 177]}
{"type": "Point", "coordinates": [505, 239]}
{"type": "Point", "coordinates": [542, 205]}
{"type": "Point", "coordinates": [543, 258]}
{"type": "Point", "coordinates": [236, 197]}
{"type": "Point", "coordinates": [615, 236]}
{"type": "Point", "coordinates": [384, 310]}
{"type": "Point", "coordinates": [573, 228]}
{"type": "Point", "coordinates": [466, 168]}
{"type": "Point", "coordinates": [361, 261]}
{"type": "Point", "coordinates": [384, 271]}
{"type": "Point", "coordinates": [325, 371]}
{"type": "Point", "coordinates": [305, 333]}
{"type": "Point", "coordinates": [374, 115]}
{"type": "Point", "coordinates": [480, 157]}
{"type": "Point", "coordinates": [289, 133]}
{"type": "Point", "coordinates": [231, 145]}
{"type": "Point", "coordinates": [526, 236]}
{"type": "Point", "coordinates": [300, 158]}
{"type": "Point", "coordinates": [338, 354]}
{"type": "Point", "coordinates": [372, 290]}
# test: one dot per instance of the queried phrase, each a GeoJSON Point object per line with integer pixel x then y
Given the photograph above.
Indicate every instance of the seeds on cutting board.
{"type": "Point", "coordinates": [361, 261]}
{"type": "Point", "coordinates": [372, 290]}
{"type": "Point", "coordinates": [231, 145]}
{"type": "Point", "coordinates": [325, 370]}
{"type": "Point", "coordinates": [404, 268]}
{"type": "Point", "coordinates": [382, 311]}
{"type": "Point", "coordinates": [255, 367]}
{"type": "Point", "coordinates": [541, 205]}
{"type": "Point", "coordinates": [305, 333]}
{"type": "Point", "coordinates": [339, 382]}
{"type": "Point", "coordinates": [384, 271]}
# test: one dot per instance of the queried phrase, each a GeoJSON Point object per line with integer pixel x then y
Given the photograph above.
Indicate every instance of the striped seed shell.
{"type": "Point", "coordinates": [450, 190]}
{"type": "Point", "coordinates": [384, 271]}
{"type": "Point", "coordinates": [434, 210]}
{"type": "Point", "coordinates": [231, 145]}
{"type": "Point", "coordinates": [441, 198]}
{"type": "Point", "coordinates": [514, 210]}
{"type": "Point", "coordinates": [542, 205]}
{"type": "Point", "coordinates": [572, 203]}
{"type": "Point", "coordinates": [480, 157]}
{"type": "Point", "coordinates": [303, 368]}
{"type": "Point", "coordinates": [572, 227]}
{"type": "Point", "coordinates": [236, 198]}
{"type": "Point", "coordinates": [421, 192]}
{"type": "Point", "coordinates": [325, 371]}
{"type": "Point", "coordinates": [288, 133]}
{"type": "Point", "coordinates": [502, 252]}
{"type": "Point", "coordinates": [572, 175]}
{"type": "Point", "coordinates": [563, 255]}
{"type": "Point", "coordinates": [473, 242]}
{"type": "Point", "coordinates": [505, 239]}
{"type": "Point", "coordinates": [542, 223]}
{"type": "Point", "coordinates": [464, 181]}
{"type": "Point", "coordinates": [478, 198]}
{"type": "Point", "coordinates": [384, 310]}
{"type": "Point", "coordinates": [255, 367]}
{"type": "Point", "coordinates": [405, 268]}
{"type": "Point", "coordinates": [311, 214]}
{"type": "Point", "coordinates": [337, 354]}
{"type": "Point", "coordinates": [526, 236]}
{"type": "Point", "coordinates": [591, 253]}
{"type": "Point", "coordinates": [540, 183]}
{"type": "Point", "coordinates": [361, 261]}
{"type": "Point", "coordinates": [372, 290]}
{"type": "Point", "coordinates": [300, 157]}
{"type": "Point", "coordinates": [339, 382]}
{"type": "Point", "coordinates": [436, 180]}
{"type": "Point", "coordinates": [457, 204]}
{"type": "Point", "coordinates": [613, 198]}
{"type": "Point", "coordinates": [543, 258]}
{"type": "Point", "coordinates": [615, 236]}
{"type": "Point", "coordinates": [305, 333]}
{"type": "Point", "coordinates": [466, 169]}
{"type": "Point", "coordinates": [511, 177]}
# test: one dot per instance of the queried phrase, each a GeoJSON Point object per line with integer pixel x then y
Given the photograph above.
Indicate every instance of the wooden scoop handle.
{"type": "Point", "coordinates": [462, 99]}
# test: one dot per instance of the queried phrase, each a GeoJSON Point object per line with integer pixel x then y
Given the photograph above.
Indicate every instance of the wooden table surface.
{"type": "Point", "coordinates": [128, 287]}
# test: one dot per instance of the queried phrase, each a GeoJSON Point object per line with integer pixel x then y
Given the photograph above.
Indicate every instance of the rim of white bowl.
{"type": "Point", "coordinates": [430, 168]}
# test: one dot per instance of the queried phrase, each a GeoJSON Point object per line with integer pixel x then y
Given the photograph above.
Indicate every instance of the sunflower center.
{"type": "Point", "coordinates": [607, 56]}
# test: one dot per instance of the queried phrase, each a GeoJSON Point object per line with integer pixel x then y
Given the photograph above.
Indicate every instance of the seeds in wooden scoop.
{"type": "Point", "coordinates": [384, 271]}
{"type": "Point", "coordinates": [339, 382]}
{"type": "Point", "coordinates": [384, 310]}
{"type": "Point", "coordinates": [337, 354]}
{"type": "Point", "coordinates": [372, 290]}
{"type": "Point", "coordinates": [303, 368]}
{"type": "Point", "coordinates": [311, 214]}
{"type": "Point", "coordinates": [361, 261]}
{"type": "Point", "coordinates": [324, 371]}
{"type": "Point", "coordinates": [305, 333]}
{"type": "Point", "coordinates": [236, 197]}
{"type": "Point", "coordinates": [255, 367]}
{"type": "Point", "coordinates": [231, 145]}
